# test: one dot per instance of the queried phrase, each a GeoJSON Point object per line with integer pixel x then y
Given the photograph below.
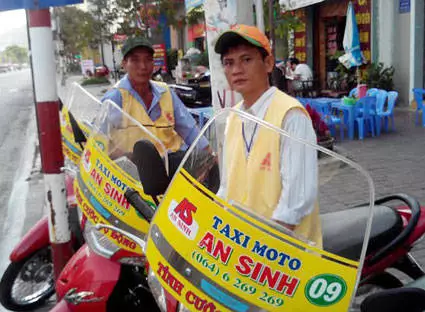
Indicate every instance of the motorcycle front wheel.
{"type": "Point", "coordinates": [29, 283]}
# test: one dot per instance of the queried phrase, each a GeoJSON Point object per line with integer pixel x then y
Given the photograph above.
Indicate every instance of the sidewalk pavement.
{"type": "Point", "coordinates": [97, 90]}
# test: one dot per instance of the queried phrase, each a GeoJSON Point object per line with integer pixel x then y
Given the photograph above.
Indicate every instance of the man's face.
{"type": "Point", "coordinates": [293, 66]}
{"type": "Point", "coordinates": [245, 69]}
{"type": "Point", "coordinates": [139, 65]}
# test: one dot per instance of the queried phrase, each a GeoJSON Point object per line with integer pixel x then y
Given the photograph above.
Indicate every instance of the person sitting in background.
{"type": "Point", "coordinates": [299, 74]}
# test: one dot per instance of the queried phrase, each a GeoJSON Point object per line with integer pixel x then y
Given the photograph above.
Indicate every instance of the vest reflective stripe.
{"type": "Point", "coordinates": [162, 128]}
{"type": "Point", "coordinates": [255, 181]}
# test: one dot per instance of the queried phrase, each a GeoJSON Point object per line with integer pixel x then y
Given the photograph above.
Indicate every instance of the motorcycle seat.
{"type": "Point", "coordinates": [343, 231]}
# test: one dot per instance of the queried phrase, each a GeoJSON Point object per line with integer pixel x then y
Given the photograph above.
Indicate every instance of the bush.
{"type": "Point", "coordinates": [380, 77]}
{"type": "Point", "coordinates": [95, 80]}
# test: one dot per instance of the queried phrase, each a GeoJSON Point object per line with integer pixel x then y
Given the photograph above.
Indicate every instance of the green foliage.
{"type": "Point", "coordinates": [283, 21]}
{"type": "Point", "coordinates": [346, 79]}
{"type": "Point", "coordinates": [124, 14]}
{"type": "Point", "coordinates": [95, 80]}
{"type": "Point", "coordinates": [379, 76]}
{"type": "Point", "coordinates": [376, 75]}
{"type": "Point", "coordinates": [15, 54]}
{"type": "Point", "coordinates": [195, 15]}
{"type": "Point", "coordinates": [78, 30]}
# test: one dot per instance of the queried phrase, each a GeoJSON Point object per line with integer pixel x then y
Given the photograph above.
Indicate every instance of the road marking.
{"type": "Point", "coordinates": [16, 208]}
{"type": "Point", "coordinates": [14, 90]}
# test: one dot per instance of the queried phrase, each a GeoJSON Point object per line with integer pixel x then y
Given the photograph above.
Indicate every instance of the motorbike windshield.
{"type": "Point", "coordinates": [109, 166]}
{"type": "Point", "coordinates": [261, 221]}
{"type": "Point", "coordinates": [77, 116]}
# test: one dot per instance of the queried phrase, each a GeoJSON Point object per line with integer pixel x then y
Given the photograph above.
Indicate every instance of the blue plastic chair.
{"type": "Point", "coordinates": [419, 97]}
{"type": "Point", "coordinates": [331, 120]}
{"type": "Point", "coordinates": [386, 113]}
{"type": "Point", "coordinates": [372, 92]}
{"type": "Point", "coordinates": [364, 116]}
{"type": "Point", "coordinates": [354, 92]}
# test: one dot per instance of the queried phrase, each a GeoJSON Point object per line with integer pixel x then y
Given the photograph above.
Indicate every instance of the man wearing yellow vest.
{"type": "Point", "coordinates": [152, 103]}
{"type": "Point", "coordinates": [270, 174]}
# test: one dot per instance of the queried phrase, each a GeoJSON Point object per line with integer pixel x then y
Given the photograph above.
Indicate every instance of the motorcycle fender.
{"type": "Point", "coordinates": [88, 272]}
{"type": "Point", "coordinates": [35, 239]}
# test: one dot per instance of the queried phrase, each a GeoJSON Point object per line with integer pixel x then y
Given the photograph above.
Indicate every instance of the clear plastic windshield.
{"type": "Point", "coordinates": [113, 160]}
{"type": "Point", "coordinates": [262, 220]}
{"type": "Point", "coordinates": [77, 115]}
{"type": "Point", "coordinates": [82, 104]}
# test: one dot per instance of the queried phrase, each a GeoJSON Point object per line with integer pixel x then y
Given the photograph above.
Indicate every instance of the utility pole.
{"type": "Point", "coordinates": [47, 108]}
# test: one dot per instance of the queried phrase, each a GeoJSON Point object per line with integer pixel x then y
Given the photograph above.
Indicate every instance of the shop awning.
{"type": "Point", "coordinates": [296, 4]}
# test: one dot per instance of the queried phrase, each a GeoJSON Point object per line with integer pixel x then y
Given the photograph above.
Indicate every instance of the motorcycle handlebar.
{"type": "Point", "coordinates": [139, 204]}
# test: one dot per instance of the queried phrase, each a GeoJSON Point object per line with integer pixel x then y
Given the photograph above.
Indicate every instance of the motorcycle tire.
{"type": "Point", "coordinates": [15, 271]}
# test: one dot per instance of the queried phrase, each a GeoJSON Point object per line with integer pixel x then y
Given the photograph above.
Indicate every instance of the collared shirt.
{"type": "Point", "coordinates": [185, 125]}
{"type": "Point", "coordinates": [298, 166]}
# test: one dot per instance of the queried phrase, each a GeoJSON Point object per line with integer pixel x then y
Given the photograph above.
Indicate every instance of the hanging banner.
{"type": "Point", "coordinates": [363, 17]}
{"type": "Point", "coordinates": [300, 37]}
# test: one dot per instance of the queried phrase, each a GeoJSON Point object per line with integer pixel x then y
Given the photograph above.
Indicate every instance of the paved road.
{"type": "Point", "coordinates": [16, 110]}
{"type": "Point", "coordinates": [17, 157]}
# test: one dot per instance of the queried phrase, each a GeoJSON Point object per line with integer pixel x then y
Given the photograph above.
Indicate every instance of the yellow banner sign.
{"type": "Point", "coordinates": [214, 257]}
{"type": "Point", "coordinates": [100, 188]}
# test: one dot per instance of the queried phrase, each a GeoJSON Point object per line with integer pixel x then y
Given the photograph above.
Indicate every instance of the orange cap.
{"type": "Point", "coordinates": [251, 34]}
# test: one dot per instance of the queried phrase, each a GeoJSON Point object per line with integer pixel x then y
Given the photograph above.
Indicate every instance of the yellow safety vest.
{"type": "Point", "coordinates": [255, 181]}
{"type": "Point", "coordinates": [162, 128]}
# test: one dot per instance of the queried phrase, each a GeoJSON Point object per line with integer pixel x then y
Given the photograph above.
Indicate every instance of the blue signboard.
{"type": "Point", "coordinates": [404, 6]}
{"type": "Point", "coordinates": [191, 4]}
{"type": "Point", "coordinates": [6, 5]}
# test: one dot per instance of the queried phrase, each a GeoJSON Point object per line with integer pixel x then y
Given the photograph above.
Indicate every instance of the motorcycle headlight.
{"type": "Point", "coordinates": [157, 291]}
{"type": "Point", "coordinates": [98, 242]}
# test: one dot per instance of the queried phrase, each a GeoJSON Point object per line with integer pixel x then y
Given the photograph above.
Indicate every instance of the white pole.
{"type": "Point", "coordinates": [220, 16]}
{"type": "Point", "coordinates": [260, 14]}
{"type": "Point", "coordinates": [47, 107]}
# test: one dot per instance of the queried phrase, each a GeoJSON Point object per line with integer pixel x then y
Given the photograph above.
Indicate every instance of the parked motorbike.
{"type": "Point", "coordinates": [212, 254]}
{"type": "Point", "coordinates": [196, 92]}
{"type": "Point", "coordinates": [108, 273]}
{"type": "Point", "coordinates": [28, 281]}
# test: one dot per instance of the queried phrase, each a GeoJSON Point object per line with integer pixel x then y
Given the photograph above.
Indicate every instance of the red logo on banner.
{"type": "Point", "coordinates": [185, 210]}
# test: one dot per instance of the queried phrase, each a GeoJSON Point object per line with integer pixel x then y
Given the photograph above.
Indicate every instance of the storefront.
{"type": "Point", "coordinates": [195, 33]}
{"type": "Point", "coordinates": [196, 36]}
{"type": "Point", "coordinates": [319, 36]}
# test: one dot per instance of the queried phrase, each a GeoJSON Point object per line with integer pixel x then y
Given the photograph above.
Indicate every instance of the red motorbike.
{"type": "Point", "coordinates": [28, 281]}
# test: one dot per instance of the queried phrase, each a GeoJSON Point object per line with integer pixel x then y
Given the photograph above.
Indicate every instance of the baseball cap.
{"type": "Point", "coordinates": [135, 42]}
{"type": "Point", "coordinates": [251, 34]}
